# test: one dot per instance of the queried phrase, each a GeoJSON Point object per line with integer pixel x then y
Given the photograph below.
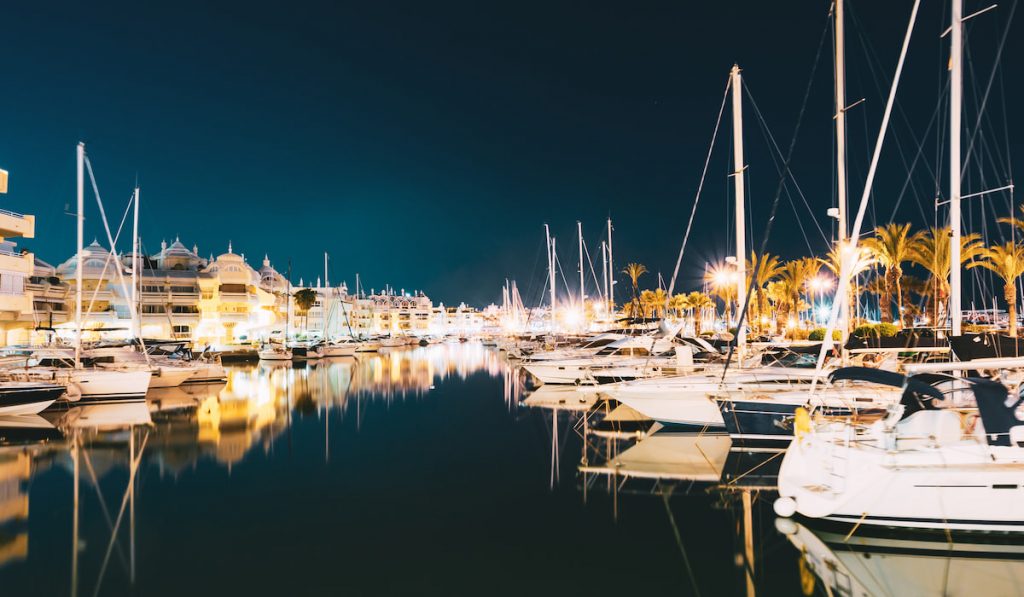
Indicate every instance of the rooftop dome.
{"type": "Point", "coordinates": [94, 259]}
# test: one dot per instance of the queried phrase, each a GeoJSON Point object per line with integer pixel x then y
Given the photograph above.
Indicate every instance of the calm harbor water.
{"type": "Point", "coordinates": [420, 471]}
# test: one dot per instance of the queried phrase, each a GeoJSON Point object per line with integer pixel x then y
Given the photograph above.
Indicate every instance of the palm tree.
{"type": "Point", "coordinates": [1007, 262]}
{"type": "Point", "coordinates": [658, 301]}
{"type": "Point", "coordinates": [304, 300]}
{"type": "Point", "coordinates": [697, 302]}
{"type": "Point", "coordinates": [933, 254]}
{"type": "Point", "coordinates": [678, 304]}
{"type": "Point", "coordinates": [652, 302]}
{"type": "Point", "coordinates": [792, 280]}
{"type": "Point", "coordinates": [914, 305]}
{"type": "Point", "coordinates": [767, 268]}
{"type": "Point", "coordinates": [723, 285]}
{"type": "Point", "coordinates": [1017, 223]}
{"type": "Point", "coordinates": [811, 267]}
{"type": "Point", "coordinates": [634, 271]}
{"type": "Point", "coordinates": [892, 246]}
{"type": "Point", "coordinates": [861, 260]}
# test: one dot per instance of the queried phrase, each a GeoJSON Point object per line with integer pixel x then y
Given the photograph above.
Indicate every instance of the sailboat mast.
{"type": "Point", "coordinates": [840, 78]}
{"type": "Point", "coordinates": [611, 270]}
{"type": "Point", "coordinates": [579, 235]}
{"type": "Point", "coordinates": [604, 269]}
{"type": "Point", "coordinates": [327, 283]}
{"type": "Point", "coordinates": [136, 331]}
{"type": "Point", "coordinates": [955, 108]}
{"type": "Point", "coordinates": [80, 222]}
{"type": "Point", "coordinates": [287, 304]}
{"type": "Point", "coordinates": [741, 249]}
{"type": "Point", "coordinates": [551, 269]}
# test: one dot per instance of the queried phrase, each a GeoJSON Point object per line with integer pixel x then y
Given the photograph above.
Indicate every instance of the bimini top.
{"type": "Point", "coordinates": [998, 410]}
{"type": "Point", "coordinates": [918, 392]}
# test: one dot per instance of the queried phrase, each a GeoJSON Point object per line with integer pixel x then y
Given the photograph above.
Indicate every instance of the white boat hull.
{"type": "Point", "coordinates": [963, 486]}
{"type": "Point", "coordinates": [275, 355]}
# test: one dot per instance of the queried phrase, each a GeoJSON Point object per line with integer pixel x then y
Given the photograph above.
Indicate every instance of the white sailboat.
{"type": "Point", "coordinates": [919, 467]}
{"type": "Point", "coordinates": [87, 385]}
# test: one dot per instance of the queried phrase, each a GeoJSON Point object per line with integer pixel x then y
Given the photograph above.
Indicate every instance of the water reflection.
{"type": "Point", "coordinates": [879, 563]}
{"type": "Point", "coordinates": [102, 448]}
{"type": "Point", "coordinates": [416, 444]}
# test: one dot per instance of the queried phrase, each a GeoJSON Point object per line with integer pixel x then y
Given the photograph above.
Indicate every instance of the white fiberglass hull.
{"type": "Point", "coordinates": [960, 486]}
{"type": "Point", "coordinates": [686, 400]}
{"type": "Point", "coordinates": [689, 407]}
{"type": "Point", "coordinates": [170, 377]}
{"type": "Point", "coordinates": [208, 373]}
{"type": "Point", "coordinates": [343, 350]}
{"type": "Point", "coordinates": [95, 386]}
{"type": "Point", "coordinates": [275, 355]}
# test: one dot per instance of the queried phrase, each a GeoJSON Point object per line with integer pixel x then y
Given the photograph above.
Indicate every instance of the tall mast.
{"type": "Point", "coordinates": [554, 264]}
{"type": "Point", "coordinates": [579, 234]}
{"type": "Point", "coordinates": [551, 269]}
{"type": "Point", "coordinates": [611, 270]}
{"type": "Point", "coordinates": [840, 77]}
{"type": "Point", "coordinates": [955, 106]}
{"type": "Point", "coordinates": [604, 268]}
{"type": "Point", "coordinates": [327, 283]}
{"type": "Point", "coordinates": [287, 304]}
{"type": "Point", "coordinates": [136, 331]}
{"type": "Point", "coordinates": [741, 249]}
{"type": "Point", "coordinates": [80, 221]}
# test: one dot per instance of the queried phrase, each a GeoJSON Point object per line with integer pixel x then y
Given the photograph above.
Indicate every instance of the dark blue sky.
{"type": "Point", "coordinates": [425, 144]}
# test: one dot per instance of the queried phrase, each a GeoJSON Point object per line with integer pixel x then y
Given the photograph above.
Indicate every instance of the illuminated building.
{"type": "Point", "coordinates": [16, 267]}
{"type": "Point", "coordinates": [390, 313]}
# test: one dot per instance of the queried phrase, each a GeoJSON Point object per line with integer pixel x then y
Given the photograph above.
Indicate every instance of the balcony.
{"type": "Point", "coordinates": [15, 304]}
{"type": "Point", "coordinates": [16, 262]}
{"type": "Point", "coordinates": [13, 225]}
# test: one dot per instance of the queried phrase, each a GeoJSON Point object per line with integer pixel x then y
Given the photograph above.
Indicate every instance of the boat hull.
{"type": "Point", "coordinates": [28, 399]}
{"type": "Point", "coordinates": [964, 487]}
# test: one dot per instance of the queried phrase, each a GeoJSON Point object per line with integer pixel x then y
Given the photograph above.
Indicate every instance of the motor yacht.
{"type": "Point", "coordinates": [576, 370]}
{"type": "Point", "coordinates": [27, 398]}
{"type": "Point", "coordinates": [274, 352]}
{"type": "Point", "coordinates": [126, 358]}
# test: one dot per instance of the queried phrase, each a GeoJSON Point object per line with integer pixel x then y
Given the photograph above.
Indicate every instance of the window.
{"type": "Point", "coordinates": [182, 329]}
{"type": "Point", "coordinates": [153, 309]}
{"type": "Point", "coordinates": [233, 288]}
{"type": "Point", "coordinates": [152, 288]}
{"type": "Point", "coordinates": [12, 283]}
{"type": "Point", "coordinates": [184, 309]}
{"type": "Point", "coordinates": [184, 289]}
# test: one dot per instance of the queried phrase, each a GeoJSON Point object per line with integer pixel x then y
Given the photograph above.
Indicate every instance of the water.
{"type": "Point", "coordinates": [414, 472]}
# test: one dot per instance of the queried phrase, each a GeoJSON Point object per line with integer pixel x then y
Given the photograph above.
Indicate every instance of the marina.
{"type": "Point", "coordinates": [718, 299]}
{"type": "Point", "coordinates": [320, 467]}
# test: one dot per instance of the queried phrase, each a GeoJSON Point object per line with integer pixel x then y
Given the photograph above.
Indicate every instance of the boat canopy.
{"type": "Point", "coordinates": [918, 393]}
{"type": "Point", "coordinates": [969, 347]}
{"type": "Point", "coordinates": [999, 411]}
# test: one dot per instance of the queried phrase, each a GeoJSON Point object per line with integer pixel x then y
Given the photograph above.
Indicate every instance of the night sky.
{"type": "Point", "coordinates": [425, 144]}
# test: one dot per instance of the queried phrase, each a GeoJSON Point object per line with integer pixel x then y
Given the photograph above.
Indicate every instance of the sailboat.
{"type": "Point", "coordinates": [271, 351]}
{"type": "Point", "coordinates": [65, 367]}
{"type": "Point", "coordinates": [921, 466]}
{"type": "Point", "coordinates": [927, 464]}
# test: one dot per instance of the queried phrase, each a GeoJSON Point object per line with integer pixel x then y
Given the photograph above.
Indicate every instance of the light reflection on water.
{"type": "Point", "coordinates": [43, 459]}
{"type": "Point", "coordinates": [405, 472]}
